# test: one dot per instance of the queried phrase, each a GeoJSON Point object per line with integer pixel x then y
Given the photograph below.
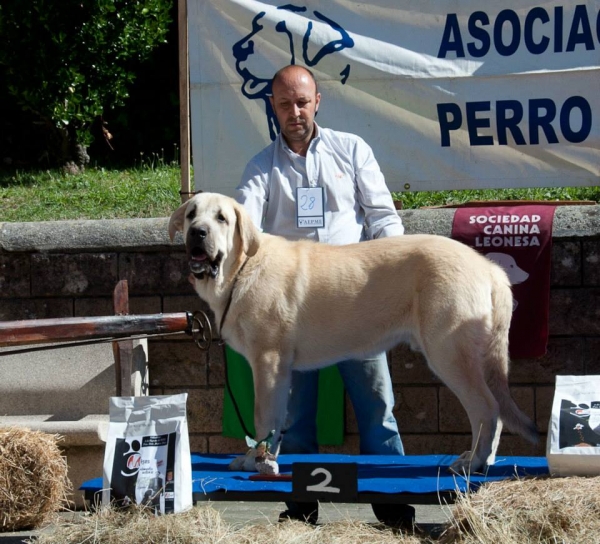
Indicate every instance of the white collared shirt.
{"type": "Point", "coordinates": [356, 195]}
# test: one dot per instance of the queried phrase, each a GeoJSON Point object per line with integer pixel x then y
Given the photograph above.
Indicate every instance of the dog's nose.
{"type": "Point", "coordinates": [199, 233]}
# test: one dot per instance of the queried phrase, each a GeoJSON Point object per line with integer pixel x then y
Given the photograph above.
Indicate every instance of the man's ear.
{"type": "Point", "coordinates": [249, 234]}
{"type": "Point", "coordinates": [177, 219]}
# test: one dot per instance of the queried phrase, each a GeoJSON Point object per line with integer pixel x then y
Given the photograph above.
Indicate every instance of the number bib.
{"type": "Point", "coordinates": [310, 206]}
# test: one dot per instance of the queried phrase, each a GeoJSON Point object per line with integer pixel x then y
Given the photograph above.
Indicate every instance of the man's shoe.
{"type": "Point", "coordinates": [398, 516]}
{"type": "Point", "coordinates": [308, 512]}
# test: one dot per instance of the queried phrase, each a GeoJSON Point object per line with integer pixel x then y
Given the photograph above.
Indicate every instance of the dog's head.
{"type": "Point", "coordinates": [215, 229]}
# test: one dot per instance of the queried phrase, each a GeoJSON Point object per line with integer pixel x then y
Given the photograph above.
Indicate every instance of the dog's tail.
{"type": "Point", "coordinates": [497, 364]}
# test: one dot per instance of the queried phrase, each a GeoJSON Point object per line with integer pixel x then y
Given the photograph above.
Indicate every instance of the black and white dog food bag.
{"type": "Point", "coordinates": [147, 458]}
{"type": "Point", "coordinates": [573, 444]}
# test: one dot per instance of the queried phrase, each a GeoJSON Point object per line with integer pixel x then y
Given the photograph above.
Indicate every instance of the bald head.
{"type": "Point", "coordinates": [293, 71]}
{"type": "Point", "coordinates": [295, 101]}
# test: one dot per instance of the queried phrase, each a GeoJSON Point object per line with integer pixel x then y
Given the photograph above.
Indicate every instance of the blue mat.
{"type": "Point", "coordinates": [395, 475]}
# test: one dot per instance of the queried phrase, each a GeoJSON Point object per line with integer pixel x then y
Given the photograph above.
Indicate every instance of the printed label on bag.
{"type": "Point", "coordinates": [143, 471]}
{"type": "Point", "coordinates": [579, 425]}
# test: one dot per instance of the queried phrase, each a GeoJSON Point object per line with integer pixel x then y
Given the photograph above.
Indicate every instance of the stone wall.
{"type": "Point", "coordinates": [70, 268]}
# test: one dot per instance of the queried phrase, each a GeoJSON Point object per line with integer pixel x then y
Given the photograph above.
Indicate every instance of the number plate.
{"type": "Point", "coordinates": [333, 482]}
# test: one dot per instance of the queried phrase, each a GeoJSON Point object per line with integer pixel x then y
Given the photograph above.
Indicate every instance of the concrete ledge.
{"type": "Point", "coordinates": [76, 236]}
{"type": "Point", "coordinates": [92, 430]}
{"type": "Point", "coordinates": [570, 221]}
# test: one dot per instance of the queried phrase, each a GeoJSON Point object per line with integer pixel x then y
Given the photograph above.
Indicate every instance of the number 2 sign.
{"type": "Point", "coordinates": [333, 482]}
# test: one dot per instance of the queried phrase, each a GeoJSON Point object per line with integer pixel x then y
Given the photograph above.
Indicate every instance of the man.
{"type": "Point", "coordinates": [316, 183]}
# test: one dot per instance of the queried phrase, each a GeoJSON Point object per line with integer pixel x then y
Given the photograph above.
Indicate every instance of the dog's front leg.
{"type": "Point", "coordinates": [272, 381]}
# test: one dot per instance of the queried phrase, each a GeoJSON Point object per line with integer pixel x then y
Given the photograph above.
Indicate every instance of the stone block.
{"type": "Point", "coordinates": [511, 444]}
{"type": "Point", "coordinates": [525, 398]}
{"type": "Point", "coordinates": [544, 396]}
{"type": "Point", "coordinates": [84, 274]}
{"type": "Point", "coordinates": [65, 384]}
{"type": "Point", "coordinates": [591, 263]}
{"type": "Point", "coordinates": [454, 418]}
{"type": "Point", "coordinates": [592, 365]}
{"type": "Point", "coordinates": [204, 409]}
{"type": "Point", "coordinates": [351, 446]}
{"type": "Point", "coordinates": [84, 463]}
{"type": "Point", "coordinates": [575, 312]}
{"type": "Point", "coordinates": [15, 276]}
{"type": "Point", "coordinates": [565, 355]}
{"type": "Point", "coordinates": [435, 443]}
{"type": "Point", "coordinates": [350, 418]}
{"type": "Point", "coordinates": [216, 365]}
{"type": "Point", "coordinates": [104, 306]}
{"type": "Point", "coordinates": [176, 364]}
{"type": "Point", "coordinates": [566, 263]}
{"type": "Point", "coordinates": [184, 303]}
{"type": "Point", "coordinates": [92, 307]}
{"type": "Point", "coordinates": [198, 443]}
{"type": "Point", "coordinates": [35, 308]}
{"type": "Point", "coordinates": [225, 444]}
{"type": "Point", "coordinates": [151, 273]}
{"type": "Point", "coordinates": [409, 367]}
{"type": "Point", "coordinates": [416, 409]}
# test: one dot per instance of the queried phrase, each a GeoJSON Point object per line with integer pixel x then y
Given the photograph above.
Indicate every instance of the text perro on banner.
{"type": "Point", "coordinates": [519, 239]}
{"type": "Point", "coordinates": [450, 95]}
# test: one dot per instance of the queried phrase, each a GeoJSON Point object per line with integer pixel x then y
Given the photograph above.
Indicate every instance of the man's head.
{"type": "Point", "coordinates": [295, 101]}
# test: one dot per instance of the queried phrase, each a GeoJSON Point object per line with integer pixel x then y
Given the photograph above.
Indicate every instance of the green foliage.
{"type": "Point", "coordinates": [66, 60]}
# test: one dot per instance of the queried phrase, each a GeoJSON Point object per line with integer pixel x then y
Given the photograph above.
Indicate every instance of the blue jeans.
{"type": "Point", "coordinates": [369, 387]}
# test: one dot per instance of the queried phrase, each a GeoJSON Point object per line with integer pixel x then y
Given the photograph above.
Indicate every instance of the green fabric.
{"type": "Point", "coordinates": [330, 409]}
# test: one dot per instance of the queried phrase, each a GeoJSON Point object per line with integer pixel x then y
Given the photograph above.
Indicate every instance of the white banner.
{"type": "Point", "coordinates": [450, 95]}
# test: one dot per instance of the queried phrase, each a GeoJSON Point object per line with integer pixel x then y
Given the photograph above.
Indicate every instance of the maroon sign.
{"type": "Point", "coordinates": [518, 238]}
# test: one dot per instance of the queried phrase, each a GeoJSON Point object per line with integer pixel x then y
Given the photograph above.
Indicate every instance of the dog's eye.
{"type": "Point", "coordinates": [191, 213]}
{"type": "Point", "coordinates": [221, 218]}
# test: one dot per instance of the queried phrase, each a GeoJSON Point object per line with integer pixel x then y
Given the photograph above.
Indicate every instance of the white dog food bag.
{"type": "Point", "coordinates": [147, 458]}
{"type": "Point", "coordinates": [573, 446]}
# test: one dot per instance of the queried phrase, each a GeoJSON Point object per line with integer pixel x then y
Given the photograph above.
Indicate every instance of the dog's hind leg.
{"type": "Point", "coordinates": [462, 372]}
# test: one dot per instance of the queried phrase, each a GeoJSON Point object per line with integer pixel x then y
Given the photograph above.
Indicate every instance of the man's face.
{"type": "Point", "coordinates": [295, 103]}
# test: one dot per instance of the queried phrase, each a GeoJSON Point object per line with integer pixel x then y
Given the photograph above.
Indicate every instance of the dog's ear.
{"type": "Point", "coordinates": [249, 234]}
{"type": "Point", "coordinates": [177, 220]}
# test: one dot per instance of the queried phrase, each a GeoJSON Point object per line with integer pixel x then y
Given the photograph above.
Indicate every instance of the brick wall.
{"type": "Point", "coordinates": [70, 268]}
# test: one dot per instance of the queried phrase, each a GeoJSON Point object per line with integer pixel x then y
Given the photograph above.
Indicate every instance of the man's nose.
{"type": "Point", "coordinates": [295, 110]}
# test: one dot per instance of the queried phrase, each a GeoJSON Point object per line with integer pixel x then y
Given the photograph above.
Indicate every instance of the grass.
{"type": "Point", "coordinates": [97, 193]}
{"type": "Point", "coordinates": [151, 189]}
{"type": "Point", "coordinates": [440, 198]}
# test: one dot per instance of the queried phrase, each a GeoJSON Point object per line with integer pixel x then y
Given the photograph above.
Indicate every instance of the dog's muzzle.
{"type": "Point", "coordinates": [201, 264]}
{"type": "Point", "coordinates": [199, 259]}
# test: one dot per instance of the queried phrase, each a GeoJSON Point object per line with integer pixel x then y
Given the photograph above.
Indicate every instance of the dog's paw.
{"type": "Point", "coordinates": [465, 464]}
{"type": "Point", "coordinates": [267, 466]}
{"type": "Point", "coordinates": [244, 462]}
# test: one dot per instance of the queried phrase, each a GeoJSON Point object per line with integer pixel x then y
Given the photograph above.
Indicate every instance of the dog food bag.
{"type": "Point", "coordinates": [573, 446]}
{"type": "Point", "coordinates": [147, 458]}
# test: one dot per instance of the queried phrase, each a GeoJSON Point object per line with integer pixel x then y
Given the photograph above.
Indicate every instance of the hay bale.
{"type": "Point", "coordinates": [33, 478]}
{"type": "Point", "coordinates": [205, 524]}
{"type": "Point", "coordinates": [527, 511]}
